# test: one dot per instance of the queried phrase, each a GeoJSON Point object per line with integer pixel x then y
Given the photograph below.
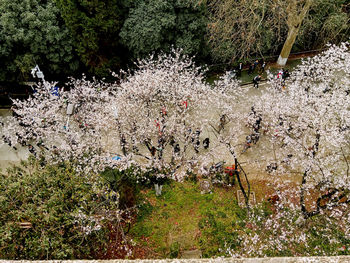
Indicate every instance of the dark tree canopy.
{"type": "Point", "coordinates": [32, 32]}
{"type": "Point", "coordinates": [65, 37]}
{"type": "Point", "coordinates": [95, 27]}
{"type": "Point", "coordinates": [155, 25]}
{"type": "Point", "coordinates": [327, 21]}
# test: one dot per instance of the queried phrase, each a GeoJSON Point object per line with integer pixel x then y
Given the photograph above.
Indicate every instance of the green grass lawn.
{"type": "Point", "coordinates": [184, 219]}
{"type": "Point", "coordinates": [177, 220]}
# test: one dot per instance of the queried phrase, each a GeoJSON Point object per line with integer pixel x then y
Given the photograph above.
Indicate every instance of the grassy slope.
{"type": "Point", "coordinates": [184, 219]}
{"type": "Point", "coordinates": [178, 217]}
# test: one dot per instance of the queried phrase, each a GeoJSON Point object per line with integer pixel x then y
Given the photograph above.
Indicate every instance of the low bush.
{"type": "Point", "coordinates": [125, 183]}
{"type": "Point", "coordinates": [52, 213]}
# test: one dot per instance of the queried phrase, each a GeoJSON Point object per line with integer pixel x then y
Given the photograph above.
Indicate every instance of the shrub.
{"type": "Point", "coordinates": [125, 183]}
{"type": "Point", "coordinates": [52, 213]}
{"type": "Point", "coordinates": [174, 250]}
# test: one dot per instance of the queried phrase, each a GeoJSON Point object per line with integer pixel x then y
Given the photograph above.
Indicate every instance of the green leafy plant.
{"type": "Point", "coordinates": [52, 213]}
{"type": "Point", "coordinates": [156, 25]}
{"type": "Point", "coordinates": [33, 32]}
{"type": "Point", "coordinates": [125, 183]}
{"type": "Point", "coordinates": [95, 26]}
{"type": "Point", "coordinates": [174, 250]}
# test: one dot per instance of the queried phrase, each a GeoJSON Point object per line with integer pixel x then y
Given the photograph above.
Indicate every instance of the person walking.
{"type": "Point", "coordinates": [285, 75]}
{"type": "Point", "coordinates": [256, 64]}
{"type": "Point", "coordinates": [206, 143]}
{"type": "Point", "coordinates": [262, 70]}
{"type": "Point", "coordinates": [279, 77]}
{"type": "Point", "coordinates": [247, 143]}
{"type": "Point", "coordinates": [256, 81]}
{"type": "Point", "coordinates": [239, 69]}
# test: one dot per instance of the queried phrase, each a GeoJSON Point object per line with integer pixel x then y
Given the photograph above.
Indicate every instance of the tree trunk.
{"type": "Point", "coordinates": [245, 193]}
{"type": "Point", "coordinates": [295, 18]}
{"type": "Point", "coordinates": [332, 198]}
{"type": "Point", "coordinates": [306, 214]}
{"type": "Point", "coordinates": [287, 47]}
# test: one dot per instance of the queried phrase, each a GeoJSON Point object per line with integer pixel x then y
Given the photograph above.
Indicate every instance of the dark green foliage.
{"type": "Point", "coordinates": [125, 183]}
{"type": "Point", "coordinates": [192, 177]}
{"type": "Point", "coordinates": [157, 25]}
{"type": "Point", "coordinates": [61, 208]}
{"type": "Point", "coordinates": [327, 21]}
{"type": "Point", "coordinates": [95, 27]}
{"type": "Point", "coordinates": [32, 32]}
{"type": "Point", "coordinates": [144, 209]}
{"type": "Point", "coordinates": [174, 250]}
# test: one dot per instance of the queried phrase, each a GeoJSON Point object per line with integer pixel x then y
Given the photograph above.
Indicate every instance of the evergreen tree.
{"type": "Point", "coordinates": [95, 27]}
{"type": "Point", "coordinates": [158, 24]}
{"type": "Point", "coordinates": [32, 32]}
